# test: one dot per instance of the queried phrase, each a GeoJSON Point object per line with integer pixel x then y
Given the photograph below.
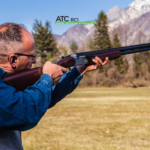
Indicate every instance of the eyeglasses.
{"type": "Point", "coordinates": [33, 57]}
{"type": "Point", "coordinates": [20, 54]}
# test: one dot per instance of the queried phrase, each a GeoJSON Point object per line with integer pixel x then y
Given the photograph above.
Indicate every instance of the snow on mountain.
{"type": "Point", "coordinates": [115, 13]}
{"type": "Point", "coordinates": [88, 26]}
{"type": "Point", "coordinates": [117, 16]}
{"type": "Point", "coordinates": [141, 5]}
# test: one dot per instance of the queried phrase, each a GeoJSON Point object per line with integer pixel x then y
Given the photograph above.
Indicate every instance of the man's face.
{"type": "Point", "coordinates": [25, 62]}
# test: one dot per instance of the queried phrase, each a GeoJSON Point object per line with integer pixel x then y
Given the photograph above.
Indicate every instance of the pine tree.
{"type": "Point", "coordinates": [73, 46]}
{"type": "Point", "coordinates": [101, 36]}
{"type": "Point", "coordinates": [45, 42]}
{"type": "Point", "coordinates": [119, 61]}
{"type": "Point", "coordinates": [116, 41]}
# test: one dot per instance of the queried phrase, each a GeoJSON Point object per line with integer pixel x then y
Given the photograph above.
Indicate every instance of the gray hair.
{"type": "Point", "coordinates": [10, 38]}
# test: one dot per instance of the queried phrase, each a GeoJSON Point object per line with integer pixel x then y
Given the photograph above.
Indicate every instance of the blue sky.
{"type": "Point", "coordinates": [26, 11]}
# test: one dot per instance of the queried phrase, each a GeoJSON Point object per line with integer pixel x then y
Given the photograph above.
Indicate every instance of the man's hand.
{"type": "Point", "coordinates": [54, 71]}
{"type": "Point", "coordinates": [97, 63]}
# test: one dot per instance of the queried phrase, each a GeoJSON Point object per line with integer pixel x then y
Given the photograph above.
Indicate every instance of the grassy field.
{"type": "Point", "coordinates": [95, 119]}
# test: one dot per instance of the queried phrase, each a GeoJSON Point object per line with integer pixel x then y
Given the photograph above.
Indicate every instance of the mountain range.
{"type": "Point", "coordinates": [134, 19]}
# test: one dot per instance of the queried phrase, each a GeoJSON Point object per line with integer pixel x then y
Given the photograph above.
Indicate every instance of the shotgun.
{"type": "Point", "coordinates": [22, 80]}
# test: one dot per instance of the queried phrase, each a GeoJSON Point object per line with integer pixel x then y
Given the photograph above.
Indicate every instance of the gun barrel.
{"type": "Point", "coordinates": [123, 50]}
{"type": "Point", "coordinates": [135, 50]}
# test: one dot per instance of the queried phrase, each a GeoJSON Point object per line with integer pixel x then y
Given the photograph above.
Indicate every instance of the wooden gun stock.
{"type": "Point", "coordinates": [20, 81]}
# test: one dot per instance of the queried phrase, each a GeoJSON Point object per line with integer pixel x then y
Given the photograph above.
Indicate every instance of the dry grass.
{"type": "Point", "coordinates": [95, 119]}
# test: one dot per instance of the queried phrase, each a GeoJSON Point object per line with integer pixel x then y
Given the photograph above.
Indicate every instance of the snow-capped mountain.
{"type": "Point", "coordinates": [116, 17]}
{"type": "Point", "coordinates": [141, 5]}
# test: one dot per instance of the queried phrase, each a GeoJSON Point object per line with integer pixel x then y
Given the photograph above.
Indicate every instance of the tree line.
{"type": "Point", "coordinates": [126, 71]}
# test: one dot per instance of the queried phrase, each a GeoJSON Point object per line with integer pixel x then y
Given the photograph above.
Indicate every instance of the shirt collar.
{"type": "Point", "coordinates": [2, 72]}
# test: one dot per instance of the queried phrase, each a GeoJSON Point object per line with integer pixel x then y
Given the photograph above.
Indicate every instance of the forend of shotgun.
{"type": "Point", "coordinates": [74, 59]}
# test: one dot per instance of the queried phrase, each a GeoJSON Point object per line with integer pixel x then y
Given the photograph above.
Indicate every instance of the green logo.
{"type": "Point", "coordinates": [75, 22]}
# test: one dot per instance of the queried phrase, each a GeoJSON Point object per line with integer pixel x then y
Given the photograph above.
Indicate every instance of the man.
{"type": "Point", "coordinates": [20, 111]}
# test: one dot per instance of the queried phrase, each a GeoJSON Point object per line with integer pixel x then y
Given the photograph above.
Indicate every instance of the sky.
{"type": "Point", "coordinates": [26, 11]}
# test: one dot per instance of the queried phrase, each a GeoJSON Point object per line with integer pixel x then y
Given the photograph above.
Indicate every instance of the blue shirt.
{"type": "Point", "coordinates": [23, 110]}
